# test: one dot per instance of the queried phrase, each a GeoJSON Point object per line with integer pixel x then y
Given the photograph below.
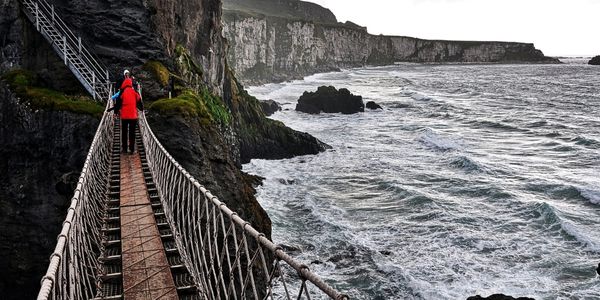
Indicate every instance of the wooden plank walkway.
{"type": "Point", "coordinates": [146, 271]}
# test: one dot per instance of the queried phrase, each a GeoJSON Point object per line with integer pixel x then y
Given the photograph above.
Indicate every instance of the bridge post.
{"type": "Point", "coordinates": [108, 84]}
{"type": "Point", "coordinates": [94, 84]}
{"type": "Point", "coordinates": [79, 44]}
{"type": "Point", "coordinates": [52, 14]}
{"type": "Point", "coordinates": [65, 48]}
{"type": "Point", "coordinates": [37, 17]}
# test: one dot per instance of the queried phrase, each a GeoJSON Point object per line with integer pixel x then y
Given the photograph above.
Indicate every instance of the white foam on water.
{"type": "Point", "coordinates": [393, 201]}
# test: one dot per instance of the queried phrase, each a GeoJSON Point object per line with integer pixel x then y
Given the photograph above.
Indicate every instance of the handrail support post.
{"type": "Point", "coordinates": [37, 17]}
{"type": "Point", "coordinates": [65, 48]}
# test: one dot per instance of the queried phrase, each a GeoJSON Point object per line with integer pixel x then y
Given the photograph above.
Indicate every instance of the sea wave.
{"type": "Point", "coordinates": [552, 220]}
{"type": "Point", "coordinates": [585, 141]}
{"type": "Point", "coordinates": [437, 142]}
{"type": "Point", "coordinates": [467, 164]}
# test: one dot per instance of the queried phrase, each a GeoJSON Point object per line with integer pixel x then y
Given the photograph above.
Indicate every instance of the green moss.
{"type": "Point", "coordinates": [206, 106]}
{"type": "Point", "coordinates": [23, 82]}
{"type": "Point", "coordinates": [158, 70]}
{"type": "Point", "coordinates": [174, 106]}
{"type": "Point", "coordinates": [217, 110]}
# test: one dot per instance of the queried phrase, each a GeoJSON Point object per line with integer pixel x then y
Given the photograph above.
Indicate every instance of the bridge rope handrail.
{"type": "Point", "coordinates": [184, 195]}
{"type": "Point", "coordinates": [227, 257]}
{"type": "Point", "coordinates": [82, 225]}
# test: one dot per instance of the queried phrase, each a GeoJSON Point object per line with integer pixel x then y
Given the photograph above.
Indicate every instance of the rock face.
{"type": "Point", "coordinates": [42, 154]}
{"type": "Point", "coordinates": [268, 47]}
{"type": "Point", "coordinates": [270, 107]}
{"type": "Point", "coordinates": [43, 151]}
{"type": "Point", "coordinates": [329, 100]}
{"type": "Point", "coordinates": [595, 61]}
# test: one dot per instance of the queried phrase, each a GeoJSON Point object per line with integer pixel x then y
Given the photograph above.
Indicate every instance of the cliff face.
{"type": "Point", "coordinates": [41, 156]}
{"type": "Point", "coordinates": [265, 47]}
{"type": "Point", "coordinates": [43, 151]}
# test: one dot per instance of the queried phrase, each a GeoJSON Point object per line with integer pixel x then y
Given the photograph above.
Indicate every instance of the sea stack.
{"type": "Point", "coordinates": [595, 61]}
{"type": "Point", "coordinates": [328, 99]}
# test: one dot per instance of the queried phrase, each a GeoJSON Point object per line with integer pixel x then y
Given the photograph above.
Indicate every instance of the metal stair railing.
{"type": "Point", "coordinates": [93, 75]}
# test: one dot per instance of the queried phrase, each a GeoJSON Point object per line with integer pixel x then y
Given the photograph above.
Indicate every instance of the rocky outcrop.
{"type": "Point", "coordinates": [595, 61]}
{"type": "Point", "coordinates": [328, 99]}
{"type": "Point", "coordinates": [498, 297]}
{"type": "Point", "coordinates": [372, 105]}
{"type": "Point", "coordinates": [270, 107]}
{"type": "Point", "coordinates": [266, 47]}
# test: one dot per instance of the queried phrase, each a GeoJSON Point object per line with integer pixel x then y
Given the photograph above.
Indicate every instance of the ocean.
{"type": "Point", "coordinates": [473, 179]}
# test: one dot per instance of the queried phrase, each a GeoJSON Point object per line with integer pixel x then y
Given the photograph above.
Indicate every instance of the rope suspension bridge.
{"type": "Point", "coordinates": [141, 227]}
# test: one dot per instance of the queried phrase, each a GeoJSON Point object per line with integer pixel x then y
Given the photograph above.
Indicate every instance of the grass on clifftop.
{"type": "Point", "coordinates": [23, 83]}
{"type": "Point", "coordinates": [204, 105]}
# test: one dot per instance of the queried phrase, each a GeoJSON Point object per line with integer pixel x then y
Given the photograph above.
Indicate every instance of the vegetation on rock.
{"type": "Point", "coordinates": [24, 84]}
{"type": "Point", "coordinates": [204, 105]}
{"type": "Point", "coordinates": [158, 70]}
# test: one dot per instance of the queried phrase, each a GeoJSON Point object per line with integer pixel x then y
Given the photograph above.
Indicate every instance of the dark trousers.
{"type": "Point", "coordinates": [128, 128]}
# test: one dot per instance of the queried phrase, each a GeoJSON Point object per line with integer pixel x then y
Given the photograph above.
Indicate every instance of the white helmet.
{"type": "Point", "coordinates": [125, 72]}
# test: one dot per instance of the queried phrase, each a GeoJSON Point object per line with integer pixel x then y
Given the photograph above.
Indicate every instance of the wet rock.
{"type": "Point", "coordinates": [290, 248]}
{"type": "Point", "coordinates": [595, 61]}
{"type": "Point", "coordinates": [386, 252]}
{"type": "Point", "coordinates": [270, 107]}
{"type": "Point", "coordinates": [328, 99]}
{"type": "Point", "coordinates": [373, 105]}
{"type": "Point", "coordinates": [498, 297]}
{"type": "Point", "coordinates": [287, 181]}
{"type": "Point", "coordinates": [598, 269]}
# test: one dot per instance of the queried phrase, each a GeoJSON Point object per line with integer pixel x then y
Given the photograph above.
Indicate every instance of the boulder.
{"type": "Point", "coordinates": [328, 99]}
{"type": "Point", "coordinates": [373, 105]}
{"type": "Point", "coordinates": [498, 297]}
{"type": "Point", "coordinates": [270, 107]}
{"type": "Point", "coordinates": [595, 61]}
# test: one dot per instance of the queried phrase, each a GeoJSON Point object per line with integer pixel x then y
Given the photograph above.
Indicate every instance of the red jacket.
{"type": "Point", "coordinates": [130, 101]}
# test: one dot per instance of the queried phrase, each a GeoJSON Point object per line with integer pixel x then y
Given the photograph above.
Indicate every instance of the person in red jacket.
{"type": "Point", "coordinates": [127, 107]}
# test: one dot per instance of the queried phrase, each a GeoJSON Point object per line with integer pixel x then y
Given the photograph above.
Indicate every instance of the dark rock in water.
{"type": "Point", "coordinates": [270, 107]}
{"type": "Point", "coordinates": [595, 61]}
{"type": "Point", "coordinates": [373, 105]}
{"type": "Point", "coordinates": [290, 248]}
{"type": "Point", "coordinates": [386, 252]}
{"type": "Point", "coordinates": [329, 100]}
{"type": "Point", "coordinates": [598, 269]}
{"type": "Point", "coordinates": [498, 297]}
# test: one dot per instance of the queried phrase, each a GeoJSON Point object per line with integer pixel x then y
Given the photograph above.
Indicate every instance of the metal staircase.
{"type": "Point", "coordinates": [69, 48]}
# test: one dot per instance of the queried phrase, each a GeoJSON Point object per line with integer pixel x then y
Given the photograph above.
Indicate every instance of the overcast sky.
{"type": "Point", "coordinates": [557, 27]}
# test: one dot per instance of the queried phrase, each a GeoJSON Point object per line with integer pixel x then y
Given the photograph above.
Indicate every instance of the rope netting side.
{"type": "Point", "coordinates": [74, 264]}
{"type": "Point", "coordinates": [227, 257]}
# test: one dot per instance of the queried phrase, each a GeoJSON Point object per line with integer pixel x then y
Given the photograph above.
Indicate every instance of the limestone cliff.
{"type": "Point", "coordinates": [268, 47]}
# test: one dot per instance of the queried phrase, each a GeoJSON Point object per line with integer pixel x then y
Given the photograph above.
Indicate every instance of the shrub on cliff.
{"type": "Point", "coordinates": [329, 100]}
